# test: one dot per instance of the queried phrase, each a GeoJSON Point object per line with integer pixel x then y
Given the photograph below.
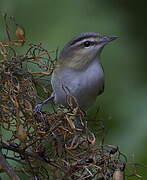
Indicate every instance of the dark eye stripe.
{"type": "Point", "coordinates": [83, 36]}
{"type": "Point", "coordinates": [85, 44]}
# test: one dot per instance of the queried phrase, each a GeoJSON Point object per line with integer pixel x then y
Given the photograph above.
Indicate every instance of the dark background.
{"type": "Point", "coordinates": [123, 106]}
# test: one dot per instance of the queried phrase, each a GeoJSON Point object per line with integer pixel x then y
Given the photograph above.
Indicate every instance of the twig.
{"type": "Point", "coordinates": [7, 146]}
{"type": "Point", "coordinates": [7, 168]}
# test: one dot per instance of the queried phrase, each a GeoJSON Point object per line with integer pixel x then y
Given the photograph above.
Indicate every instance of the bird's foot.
{"type": "Point", "coordinates": [38, 108]}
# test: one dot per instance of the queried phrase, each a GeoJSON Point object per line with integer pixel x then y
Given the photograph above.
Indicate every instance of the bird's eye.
{"type": "Point", "coordinates": [88, 43]}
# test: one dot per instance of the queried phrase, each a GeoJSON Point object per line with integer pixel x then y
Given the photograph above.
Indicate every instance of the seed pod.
{"type": "Point", "coordinates": [118, 175]}
{"type": "Point", "coordinates": [20, 33]}
{"type": "Point", "coordinates": [21, 133]}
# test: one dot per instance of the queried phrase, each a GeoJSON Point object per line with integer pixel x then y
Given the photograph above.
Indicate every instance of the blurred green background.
{"type": "Point", "coordinates": [123, 106]}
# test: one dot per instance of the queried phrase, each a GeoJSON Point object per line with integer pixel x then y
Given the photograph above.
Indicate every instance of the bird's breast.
{"type": "Point", "coordinates": [84, 85]}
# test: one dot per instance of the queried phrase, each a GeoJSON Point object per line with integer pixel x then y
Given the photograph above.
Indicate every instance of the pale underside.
{"type": "Point", "coordinates": [85, 85]}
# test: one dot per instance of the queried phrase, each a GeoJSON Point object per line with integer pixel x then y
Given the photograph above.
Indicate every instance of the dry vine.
{"type": "Point", "coordinates": [46, 144]}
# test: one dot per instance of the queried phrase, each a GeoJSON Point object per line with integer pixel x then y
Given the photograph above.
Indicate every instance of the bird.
{"type": "Point", "coordinates": [79, 72]}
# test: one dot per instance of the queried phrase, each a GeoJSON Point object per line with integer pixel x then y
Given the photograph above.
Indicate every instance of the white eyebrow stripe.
{"type": "Point", "coordinates": [86, 39]}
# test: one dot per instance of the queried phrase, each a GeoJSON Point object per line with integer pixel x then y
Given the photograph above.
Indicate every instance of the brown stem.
{"type": "Point", "coordinates": [7, 146]}
{"type": "Point", "coordinates": [5, 166]}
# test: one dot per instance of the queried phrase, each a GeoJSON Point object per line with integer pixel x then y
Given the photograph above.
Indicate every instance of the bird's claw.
{"type": "Point", "coordinates": [38, 108]}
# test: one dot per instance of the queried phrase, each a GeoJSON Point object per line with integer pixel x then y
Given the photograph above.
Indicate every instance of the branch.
{"type": "Point", "coordinates": [5, 166]}
{"type": "Point", "coordinates": [34, 155]}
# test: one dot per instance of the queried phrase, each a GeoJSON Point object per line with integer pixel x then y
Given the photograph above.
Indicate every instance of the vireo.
{"type": "Point", "coordinates": [79, 71]}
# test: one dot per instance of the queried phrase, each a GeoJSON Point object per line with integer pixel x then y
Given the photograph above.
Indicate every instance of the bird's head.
{"type": "Point", "coordinates": [83, 48]}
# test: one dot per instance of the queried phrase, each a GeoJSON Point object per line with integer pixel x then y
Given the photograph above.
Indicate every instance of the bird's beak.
{"type": "Point", "coordinates": [107, 39]}
{"type": "Point", "coordinates": [111, 38]}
